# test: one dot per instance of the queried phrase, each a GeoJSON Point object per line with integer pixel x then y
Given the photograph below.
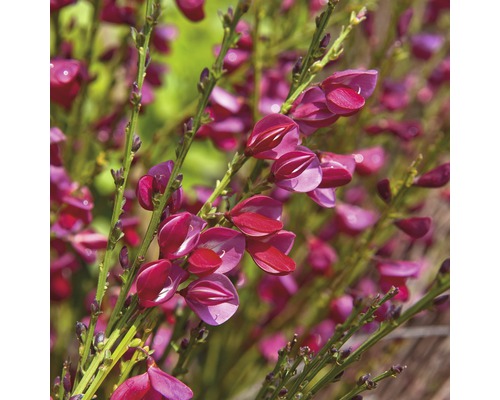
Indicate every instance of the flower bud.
{"type": "Point", "coordinates": [81, 331]}
{"type": "Point", "coordinates": [397, 369]}
{"type": "Point", "coordinates": [99, 341]}
{"type": "Point", "coordinates": [415, 227]}
{"type": "Point", "coordinates": [136, 143]}
{"type": "Point", "coordinates": [384, 190]}
{"type": "Point", "coordinates": [445, 267]}
{"type": "Point", "coordinates": [192, 9]}
{"type": "Point", "coordinates": [434, 178]}
{"type": "Point", "coordinates": [123, 258]}
{"type": "Point", "coordinates": [118, 176]}
{"type": "Point", "coordinates": [67, 382]}
{"type": "Point", "coordinates": [362, 379]}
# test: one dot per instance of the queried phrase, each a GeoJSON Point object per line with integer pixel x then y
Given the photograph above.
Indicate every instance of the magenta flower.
{"type": "Point", "coordinates": [270, 345]}
{"type": "Point", "coordinates": [395, 94]}
{"type": "Point", "coordinates": [425, 45]}
{"type": "Point", "coordinates": [218, 250]}
{"type": "Point", "coordinates": [414, 227]}
{"type": "Point", "coordinates": [297, 171]}
{"type": "Point", "coordinates": [178, 234]}
{"type": "Point", "coordinates": [257, 216]}
{"type": "Point", "coordinates": [353, 220]}
{"type": "Point", "coordinates": [58, 4]}
{"type": "Point", "coordinates": [156, 180]}
{"type": "Point", "coordinates": [340, 308]}
{"type": "Point", "coordinates": [270, 252]}
{"type": "Point", "coordinates": [213, 298]}
{"type": "Point", "coordinates": [115, 14]}
{"type": "Point", "coordinates": [321, 256]}
{"type": "Point", "coordinates": [56, 138]}
{"type": "Point", "coordinates": [153, 384]}
{"type": "Point", "coordinates": [66, 78]}
{"type": "Point", "coordinates": [162, 36]}
{"type": "Point", "coordinates": [337, 170]}
{"type": "Point", "coordinates": [273, 136]}
{"type": "Point", "coordinates": [404, 22]}
{"type": "Point", "coordinates": [274, 88]}
{"type": "Point", "coordinates": [192, 9]}
{"type": "Point", "coordinates": [157, 282]}
{"type": "Point", "coordinates": [434, 178]}
{"type": "Point", "coordinates": [405, 130]}
{"type": "Point", "coordinates": [311, 112]}
{"type": "Point", "coordinates": [87, 242]}
{"type": "Point", "coordinates": [277, 290]}
{"type": "Point", "coordinates": [346, 91]}
{"type": "Point", "coordinates": [373, 160]}
{"type": "Point", "coordinates": [384, 190]}
{"type": "Point", "coordinates": [395, 273]}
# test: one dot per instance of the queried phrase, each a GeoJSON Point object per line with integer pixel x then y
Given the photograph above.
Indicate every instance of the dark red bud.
{"type": "Point", "coordinates": [435, 178]}
{"type": "Point", "coordinates": [384, 190]}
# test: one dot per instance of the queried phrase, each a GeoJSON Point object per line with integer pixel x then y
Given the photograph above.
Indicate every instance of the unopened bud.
{"type": "Point", "coordinates": [135, 95]}
{"type": "Point", "coordinates": [136, 143]}
{"type": "Point", "coordinates": [384, 190]}
{"type": "Point", "coordinates": [441, 299]}
{"type": "Point", "coordinates": [298, 66]}
{"type": "Point", "coordinates": [123, 257]}
{"type": "Point", "coordinates": [325, 41]}
{"type": "Point", "coordinates": [283, 392]}
{"type": "Point", "coordinates": [188, 126]}
{"type": "Point", "coordinates": [184, 343]}
{"type": "Point", "coordinates": [81, 331]}
{"type": "Point", "coordinates": [445, 267]}
{"type": "Point", "coordinates": [370, 385]}
{"type": "Point", "coordinates": [67, 382]}
{"type": "Point", "coordinates": [245, 5]}
{"type": "Point", "coordinates": [118, 176]}
{"type": "Point", "coordinates": [204, 76]}
{"type": "Point", "coordinates": [95, 307]}
{"type": "Point", "coordinates": [362, 379]}
{"type": "Point", "coordinates": [345, 353]}
{"type": "Point", "coordinates": [99, 341]}
{"type": "Point", "coordinates": [394, 312]}
{"type": "Point", "coordinates": [397, 369]}
{"type": "Point", "coordinates": [359, 17]}
{"type": "Point", "coordinates": [269, 377]}
{"type": "Point", "coordinates": [202, 334]}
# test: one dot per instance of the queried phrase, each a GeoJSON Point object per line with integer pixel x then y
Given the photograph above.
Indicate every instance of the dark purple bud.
{"type": "Point", "coordinates": [95, 307]}
{"type": "Point", "coordinates": [362, 379]}
{"type": "Point", "coordinates": [325, 41]}
{"type": "Point", "coordinates": [370, 385]}
{"type": "Point", "coordinates": [205, 74]}
{"type": "Point", "coordinates": [269, 377]}
{"type": "Point", "coordinates": [394, 312]}
{"type": "Point", "coordinates": [67, 382]}
{"type": "Point", "coordinates": [283, 392]}
{"type": "Point", "coordinates": [135, 95]}
{"type": "Point", "coordinates": [136, 143]}
{"type": "Point", "coordinates": [415, 227]}
{"type": "Point", "coordinates": [445, 267]}
{"type": "Point", "coordinates": [81, 330]}
{"type": "Point", "coordinates": [425, 45]}
{"type": "Point", "coordinates": [345, 353]}
{"type": "Point", "coordinates": [384, 190]}
{"type": "Point", "coordinates": [99, 340]}
{"type": "Point", "coordinates": [117, 176]}
{"type": "Point", "coordinates": [123, 257]}
{"type": "Point", "coordinates": [202, 334]}
{"type": "Point", "coordinates": [435, 178]}
{"type": "Point", "coordinates": [298, 66]}
{"type": "Point", "coordinates": [397, 369]}
{"type": "Point", "coordinates": [184, 343]}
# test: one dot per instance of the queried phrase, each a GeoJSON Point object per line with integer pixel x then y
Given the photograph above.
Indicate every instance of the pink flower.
{"type": "Point", "coordinates": [434, 178]}
{"type": "Point", "coordinates": [354, 82]}
{"type": "Point", "coordinates": [297, 171]}
{"type": "Point", "coordinates": [373, 160]}
{"type": "Point", "coordinates": [353, 220]}
{"type": "Point", "coordinates": [66, 78]}
{"type": "Point", "coordinates": [425, 45]}
{"type": "Point", "coordinates": [257, 216]}
{"type": "Point", "coordinates": [270, 252]}
{"type": "Point", "coordinates": [270, 345]}
{"type": "Point", "coordinates": [162, 36]}
{"type": "Point", "coordinates": [115, 14]}
{"type": "Point", "coordinates": [218, 250]}
{"type": "Point", "coordinates": [405, 130]}
{"type": "Point", "coordinates": [156, 180]}
{"type": "Point", "coordinates": [153, 384]}
{"type": "Point", "coordinates": [157, 282]}
{"type": "Point", "coordinates": [395, 273]}
{"type": "Point", "coordinates": [192, 9]}
{"type": "Point", "coordinates": [321, 256]}
{"type": "Point", "coordinates": [213, 298]}
{"type": "Point", "coordinates": [273, 136]}
{"type": "Point", "coordinates": [414, 227]}
{"type": "Point", "coordinates": [341, 308]}
{"type": "Point", "coordinates": [178, 234]}
{"type": "Point", "coordinates": [58, 4]}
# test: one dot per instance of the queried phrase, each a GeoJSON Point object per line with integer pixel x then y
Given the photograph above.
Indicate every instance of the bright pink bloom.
{"type": "Point", "coordinates": [87, 242]}
{"type": "Point", "coordinates": [425, 45]}
{"type": "Point", "coordinates": [359, 82]}
{"type": "Point", "coordinates": [337, 170]}
{"type": "Point", "coordinates": [153, 384]}
{"type": "Point", "coordinates": [257, 216]}
{"type": "Point", "coordinates": [219, 249]}
{"type": "Point", "coordinates": [353, 220]}
{"type": "Point", "coordinates": [192, 9]}
{"type": "Point", "coordinates": [311, 112]}
{"type": "Point", "coordinates": [157, 282]}
{"type": "Point", "coordinates": [213, 298]}
{"type": "Point", "coordinates": [162, 36]}
{"type": "Point", "coordinates": [321, 256]}
{"type": "Point", "coordinates": [434, 178]}
{"type": "Point", "coordinates": [273, 136]}
{"type": "Point", "coordinates": [341, 308]}
{"type": "Point", "coordinates": [270, 345]}
{"type": "Point", "coordinates": [373, 160]}
{"type": "Point", "coordinates": [395, 273]}
{"type": "Point", "coordinates": [414, 227]}
{"type": "Point", "coordinates": [156, 180]}
{"type": "Point", "coordinates": [116, 14]}
{"type": "Point", "coordinates": [297, 171]}
{"type": "Point", "coordinates": [178, 234]}
{"type": "Point", "coordinates": [277, 290]}
{"type": "Point", "coordinates": [66, 78]}
{"type": "Point", "coordinates": [270, 253]}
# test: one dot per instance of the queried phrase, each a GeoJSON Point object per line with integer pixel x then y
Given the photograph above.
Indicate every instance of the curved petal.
{"type": "Point", "coordinates": [135, 388]}
{"type": "Point", "coordinates": [168, 386]}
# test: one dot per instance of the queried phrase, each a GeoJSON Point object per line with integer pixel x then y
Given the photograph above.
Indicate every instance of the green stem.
{"type": "Point", "coordinates": [387, 327]}
{"type": "Point", "coordinates": [173, 183]}
{"type": "Point", "coordinates": [114, 235]}
{"type": "Point", "coordinates": [368, 386]}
